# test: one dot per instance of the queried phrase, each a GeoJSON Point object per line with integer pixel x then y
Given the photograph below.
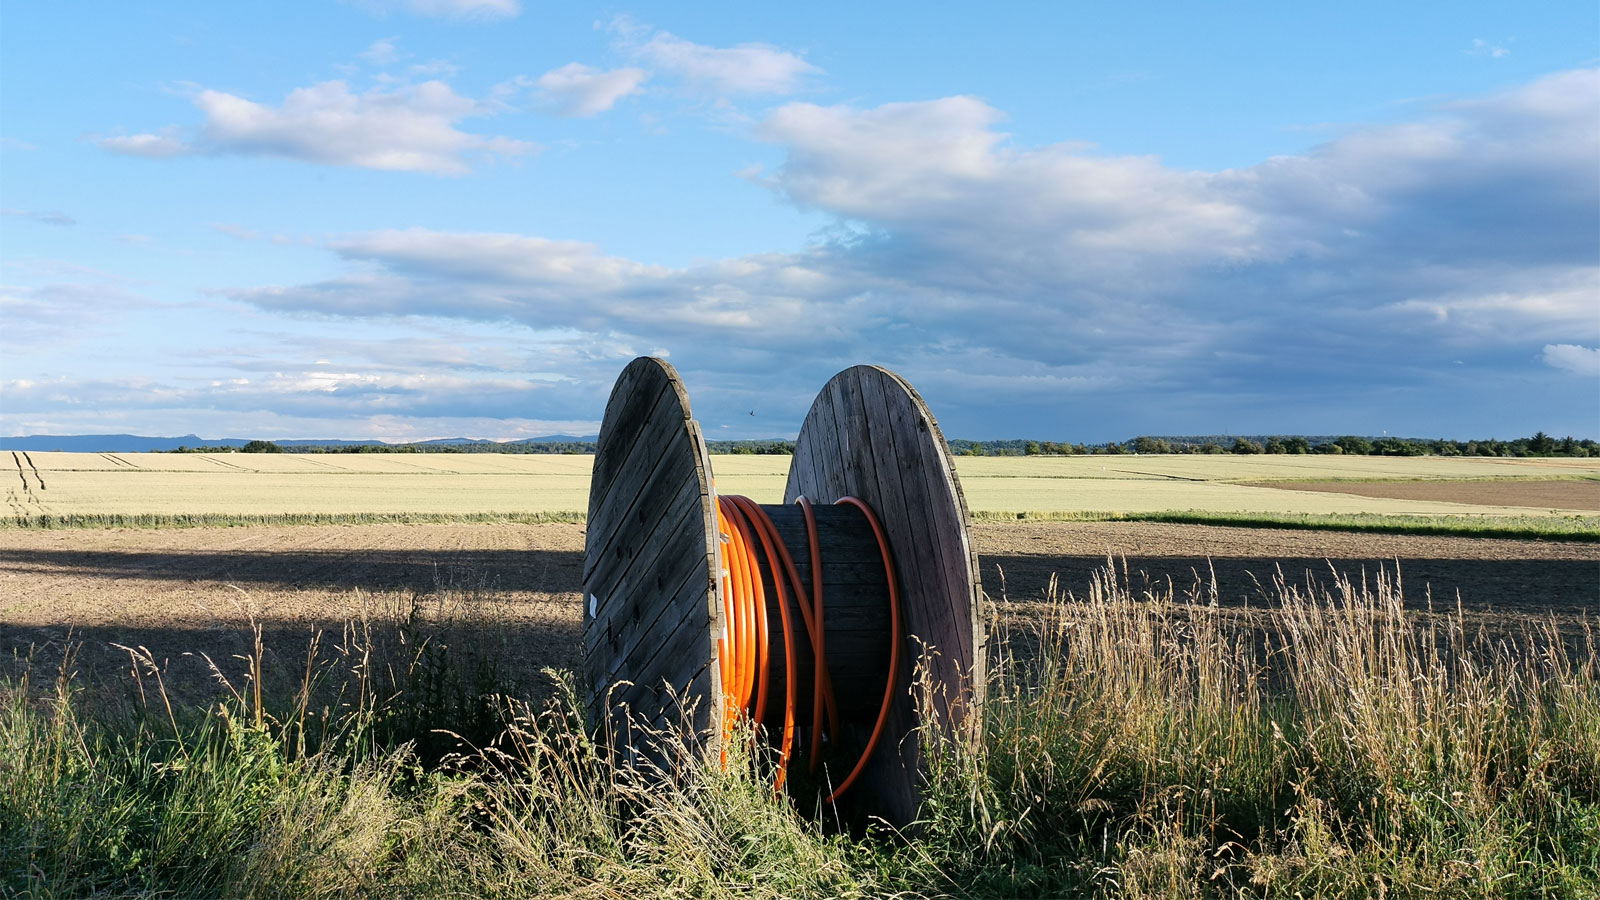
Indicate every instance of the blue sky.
{"type": "Point", "coordinates": [411, 219]}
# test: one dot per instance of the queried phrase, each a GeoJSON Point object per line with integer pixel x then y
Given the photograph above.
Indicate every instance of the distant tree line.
{"type": "Point", "coordinates": [759, 448]}
{"type": "Point", "coordinates": [251, 447]}
{"type": "Point", "coordinates": [1539, 444]}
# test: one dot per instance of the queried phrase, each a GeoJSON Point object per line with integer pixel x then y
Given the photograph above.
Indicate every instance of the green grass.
{"type": "Point", "coordinates": [1562, 528]}
{"type": "Point", "coordinates": [1134, 745]}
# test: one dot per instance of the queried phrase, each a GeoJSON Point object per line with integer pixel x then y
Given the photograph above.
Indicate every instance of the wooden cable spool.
{"type": "Point", "coordinates": [653, 604]}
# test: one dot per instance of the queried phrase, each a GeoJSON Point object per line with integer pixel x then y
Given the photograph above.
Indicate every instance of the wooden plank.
{"type": "Point", "coordinates": [947, 596]}
{"type": "Point", "coordinates": [680, 644]}
{"type": "Point", "coordinates": [637, 389]}
{"type": "Point", "coordinates": [629, 513]}
{"type": "Point", "coordinates": [647, 548]}
{"type": "Point", "coordinates": [653, 429]}
{"type": "Point", "coordinates": [661, 601]}
{"type": "Point", "coordinates": [709, 719]}
{"type": "Point", "coordinates": [630, 556]}
{"type": "Point", "coordinates": [903, 518]}
{"type": "Point", "coordinates": [948, 505]}
{"type": "Point", "coordinates": [644, 592]}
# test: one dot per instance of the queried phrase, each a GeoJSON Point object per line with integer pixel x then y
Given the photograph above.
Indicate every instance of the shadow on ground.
{"type": "Point", "coordinates": [522, 606]}
{"type": "Point", "coordinates": [1499, 587]}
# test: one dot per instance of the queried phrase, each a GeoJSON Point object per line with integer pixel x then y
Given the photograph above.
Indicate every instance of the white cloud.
{"type": "Point", "coordinates": [1531, 304]}
{"type": "Point", "coordinates": [751, 68]}
{"type": "Point", "coordinates": [382, 52]}
{"type": "Point", "coordinates": [1573, 358]}
{"type": "Point", "coordinates": [579, 90]}
{"type": "Point", "coordinates": [165, 145]}
{"type": "Point", "coordinates": [1481, 47]}
{"type": "Point", "coordinates": [412, 128]}
{"type": "Point", "coordinates": [495, 258]}
{"type": "Point", "coordinates": [457, 10]}
{"type": "Point", "coordinates": [939, 173]}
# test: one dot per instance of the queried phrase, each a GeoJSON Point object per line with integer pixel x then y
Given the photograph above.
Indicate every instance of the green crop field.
{"type": "Point", "coordinates": [238, 484]}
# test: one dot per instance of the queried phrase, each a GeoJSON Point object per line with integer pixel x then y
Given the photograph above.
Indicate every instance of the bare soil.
{"type": "Point", "coordinates": [183, 592]}
{"type": "Point", "coordinates": [1574, 495]}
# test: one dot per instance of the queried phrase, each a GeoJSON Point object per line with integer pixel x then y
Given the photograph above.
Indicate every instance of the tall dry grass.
{"type": "Point", "coordinates": [1330, 743]}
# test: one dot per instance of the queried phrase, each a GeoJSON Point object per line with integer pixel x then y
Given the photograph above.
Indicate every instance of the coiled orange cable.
{"type": "Point", "coordinates": [743, 651]}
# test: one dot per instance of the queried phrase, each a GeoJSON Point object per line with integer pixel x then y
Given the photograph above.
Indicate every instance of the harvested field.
{"type": "Point", "coordinates": [445, 484]}
{"type": "Point", "coordinates": [181, 592]}
{"type": "Point", "coordinates": [1573, 495]}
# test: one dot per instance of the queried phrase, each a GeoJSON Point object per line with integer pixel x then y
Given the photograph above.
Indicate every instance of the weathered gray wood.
{"type": "Point", "coordinates": [656, 474]}
{"type": "Point", "coordinates": [940, 475]}
{"type": "Point", "coordinates": [951, 630]}
{"type": "Point", "coordinates": [648, 603]}
{"type": "Point", "coordinates": [650, 549]}
{"type": "Point", "coordinates": [870, 435]}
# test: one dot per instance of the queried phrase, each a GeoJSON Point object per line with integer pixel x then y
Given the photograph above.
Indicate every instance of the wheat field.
{"type": "Point", "coordinates": [71, 484]}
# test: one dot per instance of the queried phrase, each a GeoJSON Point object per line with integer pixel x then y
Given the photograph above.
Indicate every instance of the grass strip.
{"type": "Point", "coordinates": [46, 521]}
{"type": "Point", "coordinates": [1556, 528]}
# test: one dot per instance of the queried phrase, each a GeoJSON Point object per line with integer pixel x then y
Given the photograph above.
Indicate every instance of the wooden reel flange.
{"type": "Point", "coordinates": [653, 604]}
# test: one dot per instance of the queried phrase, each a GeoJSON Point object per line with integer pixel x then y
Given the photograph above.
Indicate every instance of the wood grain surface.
{"type": "Point", "coordinates": [871, 436]}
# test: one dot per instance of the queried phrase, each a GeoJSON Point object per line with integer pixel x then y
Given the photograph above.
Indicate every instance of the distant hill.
{"type": "Point", "coordinates": [108, 443]}
{"type": "Point", "coordinates": [134, 443]}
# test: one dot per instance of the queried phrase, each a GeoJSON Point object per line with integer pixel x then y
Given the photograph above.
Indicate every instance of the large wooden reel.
{"type": "Point", "coordinates": [652, 598]}
{"type": "Point", "coordinates": [870, 435]}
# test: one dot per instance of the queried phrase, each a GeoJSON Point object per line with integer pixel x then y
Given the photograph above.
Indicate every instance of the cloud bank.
{"type": "Point", "coordinates": [1040, 274]}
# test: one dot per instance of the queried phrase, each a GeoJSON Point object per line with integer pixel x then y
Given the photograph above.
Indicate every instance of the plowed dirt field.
{"type": "Point", "coordinates": [183, 592]}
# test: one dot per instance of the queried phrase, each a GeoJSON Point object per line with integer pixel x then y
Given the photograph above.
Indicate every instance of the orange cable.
{"type": "Point", "coordinates": [744, 649]}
